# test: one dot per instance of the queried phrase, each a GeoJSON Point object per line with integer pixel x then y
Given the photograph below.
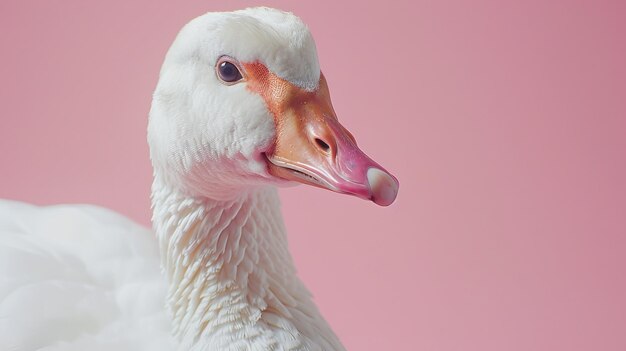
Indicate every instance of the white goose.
{"type": "Point", "coordinates": [240, 106]}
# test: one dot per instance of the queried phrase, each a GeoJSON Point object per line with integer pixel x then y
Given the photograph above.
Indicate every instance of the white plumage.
{"type": "Point", "coordinates": [84, 278]}
{"type": "Point", "coordinates": [78, 277]}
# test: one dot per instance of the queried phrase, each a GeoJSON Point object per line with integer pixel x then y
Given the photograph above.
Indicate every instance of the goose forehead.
{"type": "Point", "coordinates": [279, 40]}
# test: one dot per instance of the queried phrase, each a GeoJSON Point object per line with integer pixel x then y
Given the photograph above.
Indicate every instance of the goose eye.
{"type": "Point", "coordinates": [228, 71]}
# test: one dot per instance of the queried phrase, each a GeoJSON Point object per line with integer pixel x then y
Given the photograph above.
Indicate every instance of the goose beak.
{"type": "Point", "coordinates": [311, 146]}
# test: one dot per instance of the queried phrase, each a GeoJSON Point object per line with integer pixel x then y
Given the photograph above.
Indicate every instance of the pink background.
{"type": "Point", "coordinates": [504, 121]}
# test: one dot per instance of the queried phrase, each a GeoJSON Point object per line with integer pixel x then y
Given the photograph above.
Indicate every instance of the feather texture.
{"type": "Point", "coordinates": [233, 285]}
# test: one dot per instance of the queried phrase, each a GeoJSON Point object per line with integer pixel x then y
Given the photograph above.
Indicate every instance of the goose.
{"type": "Point", "coordinates": [240, 108]}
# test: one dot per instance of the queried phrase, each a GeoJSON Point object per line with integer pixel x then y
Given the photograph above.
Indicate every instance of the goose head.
{"type": "Point", "coordinates": [241, 102]}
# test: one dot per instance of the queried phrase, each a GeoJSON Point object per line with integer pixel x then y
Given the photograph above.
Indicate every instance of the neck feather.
{"type": "Point", "coordinates": [232, 282]}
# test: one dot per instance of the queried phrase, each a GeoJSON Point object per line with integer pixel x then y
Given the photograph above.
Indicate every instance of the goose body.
{"type": "Point", "coordinates": [79, 277]}
{"type": "Point", "coordinates": [241, 107]}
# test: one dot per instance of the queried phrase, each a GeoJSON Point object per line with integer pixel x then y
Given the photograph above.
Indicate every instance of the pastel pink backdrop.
{"type": "Point", "coordinates": [504, 121]}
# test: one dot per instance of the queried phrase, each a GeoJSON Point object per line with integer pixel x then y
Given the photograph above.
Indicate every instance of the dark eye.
{"type": "Point", "coordinates": [228, 71]}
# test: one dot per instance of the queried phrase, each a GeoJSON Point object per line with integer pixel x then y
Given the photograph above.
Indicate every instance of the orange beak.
{"type": "Point", "coordinates": [311, 146]}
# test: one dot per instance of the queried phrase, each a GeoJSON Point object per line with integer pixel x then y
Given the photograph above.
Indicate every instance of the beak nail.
{"type": "Point", "coordinates": [383, 187]}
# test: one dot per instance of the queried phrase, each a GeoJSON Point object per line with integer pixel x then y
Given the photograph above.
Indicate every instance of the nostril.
{"type": "Point", "coordinates": [322, 145]}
